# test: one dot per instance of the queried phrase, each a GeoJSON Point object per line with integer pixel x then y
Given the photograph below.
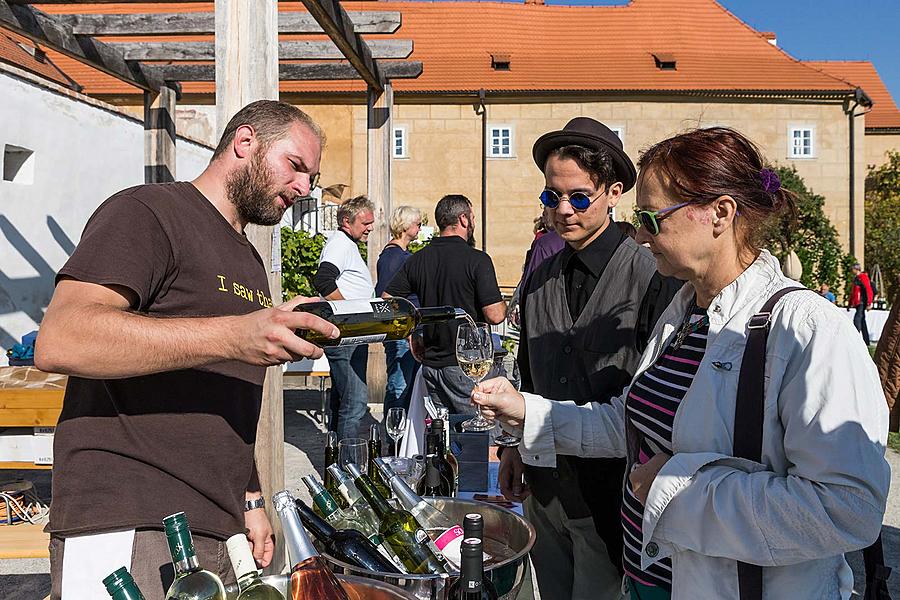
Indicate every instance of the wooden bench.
{"type": "Point", "coordinates": [26, 402]}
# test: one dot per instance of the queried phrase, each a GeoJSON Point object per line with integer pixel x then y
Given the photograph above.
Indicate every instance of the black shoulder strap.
{"type": "Point", "coordinates": [748, 432]}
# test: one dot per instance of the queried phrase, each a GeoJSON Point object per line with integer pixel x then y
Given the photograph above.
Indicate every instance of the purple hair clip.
{"type": "Point", "coordinates": [770, 181]}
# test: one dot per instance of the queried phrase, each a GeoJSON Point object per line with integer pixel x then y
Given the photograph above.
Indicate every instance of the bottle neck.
{"type": "Point", "coordinates": [405, 494]}
{"type": "Point", "coordinates": [248, 580]}
{"type": "Point", "coordinates": [471, 569]}
{"type": "Point", "coordinates": [326, 503]}
{"type": "Point", "coordinates": [181, 546]}
{"type": "Point", "coordinates": [347, 487]}
{"type": "Point", "coordinates": [436, 314]}
{"type": "Point", "coordinates": [298, 545]}
{"type": "Point", "coordinates": [432, 472]}
{"type": "Point", "coordinates": [379, 504]}
{"type": "Point", "coordinates": [314, 523]}
{"type": "Point", "coordinates": [128, 592]}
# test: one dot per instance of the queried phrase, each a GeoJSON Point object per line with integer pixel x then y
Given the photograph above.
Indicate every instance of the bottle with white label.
{"type": "Point", "coordinates": [373, 320]}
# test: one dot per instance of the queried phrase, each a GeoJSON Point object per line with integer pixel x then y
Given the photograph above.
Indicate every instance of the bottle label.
{"type": "Point", "coordinates": [350, 307]}
{"type": "Point", "coordinates": [362, 339]}
{"type": "Point", "coordinates": [450, 544]}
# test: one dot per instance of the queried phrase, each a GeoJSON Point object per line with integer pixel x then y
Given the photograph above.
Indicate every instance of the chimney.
{"type": "Point", "coordinates": [770, 37]}
{"type": "Point", "coordinates": [540, 2]}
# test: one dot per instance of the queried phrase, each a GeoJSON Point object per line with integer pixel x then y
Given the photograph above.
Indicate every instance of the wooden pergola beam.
{"type": "Point", "coordinates": [336, 23]}
{"type": "Point", "coordinates": [51, 32]}
{"type": "Point", "coordinates": [205, 23]}
{"type": "Point", "coordinates": [288, 50]}
{"type": "Point", "coordinates": [296, 72]}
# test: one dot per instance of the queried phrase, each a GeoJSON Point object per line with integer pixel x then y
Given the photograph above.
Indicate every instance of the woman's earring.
{"type": "Point", "coordinates": [715, 221]}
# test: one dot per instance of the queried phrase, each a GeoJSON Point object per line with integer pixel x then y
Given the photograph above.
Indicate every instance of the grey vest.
{"type": "Point", "coordinates": [590, 359]}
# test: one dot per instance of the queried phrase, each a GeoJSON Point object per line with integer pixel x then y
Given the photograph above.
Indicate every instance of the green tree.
{"type": "Point", "coordinates": [883, 223]}
{"type": "Point", "coordinates": [813, 237]}
{"type": "Point", "coordinates": [300, 253]}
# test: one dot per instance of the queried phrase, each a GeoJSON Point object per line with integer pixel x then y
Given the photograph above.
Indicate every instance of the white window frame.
{"type": "Point", "coordinates": [619, 130]}
{"type": "Point", "coordinates": [404, 142]}
{"type": "Point", "coordinates": [497, 127]}
{"type": "Point", "coordinates": [792, 150]}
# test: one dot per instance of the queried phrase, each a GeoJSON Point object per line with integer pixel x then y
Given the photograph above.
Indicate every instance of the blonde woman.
{"type": "Point", "coordinates": [405, 224]}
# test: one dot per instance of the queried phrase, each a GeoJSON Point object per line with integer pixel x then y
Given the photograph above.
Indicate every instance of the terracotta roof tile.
{"type": "Point", "coordinates": [565, 48]}
{"type": "Point", "coordinates": [14, 49]}
{"type": "Point", "coordinates": [862, 73]}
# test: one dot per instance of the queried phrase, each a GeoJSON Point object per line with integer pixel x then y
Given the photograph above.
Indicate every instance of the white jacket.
{"type": "Point", "coordinates": [822, 485]}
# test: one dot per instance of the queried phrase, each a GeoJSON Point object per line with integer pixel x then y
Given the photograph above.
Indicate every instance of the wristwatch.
{"type": "Point", "coordinates": [254, 504]}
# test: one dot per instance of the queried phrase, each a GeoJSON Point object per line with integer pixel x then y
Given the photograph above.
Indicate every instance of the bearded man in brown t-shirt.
{"type": "Point", "coordinates": [164, 322]}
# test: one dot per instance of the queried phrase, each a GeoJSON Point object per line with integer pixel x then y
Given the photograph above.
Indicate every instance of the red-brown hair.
{"type": "Point", "coordinates": [703, 165]}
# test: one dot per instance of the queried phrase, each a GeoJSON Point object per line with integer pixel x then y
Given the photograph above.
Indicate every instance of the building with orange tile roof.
{"type": "Point", "coordinates": [648, 69]}
{"type": "Point", "coordinates": [883, 120]}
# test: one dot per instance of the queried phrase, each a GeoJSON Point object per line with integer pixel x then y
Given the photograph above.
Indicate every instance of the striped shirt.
{"type": "Point", "coordinates": [650, 407]}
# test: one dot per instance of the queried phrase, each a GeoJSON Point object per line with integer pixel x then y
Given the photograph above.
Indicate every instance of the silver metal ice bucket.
{"type": "Point", "coordinates": [501, 526]}
{"type": "Point", "coordinates": [357, 588]}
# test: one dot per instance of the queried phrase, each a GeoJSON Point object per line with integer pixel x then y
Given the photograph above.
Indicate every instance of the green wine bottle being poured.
{"type": "Point", "coordinates": [375, 320]}
{"type": "Point", "coordinates": [249, 582]}
{"type": "Point", "coordinates": [191, 581]}
{"type": "Point", "coordinates": [120, 585]}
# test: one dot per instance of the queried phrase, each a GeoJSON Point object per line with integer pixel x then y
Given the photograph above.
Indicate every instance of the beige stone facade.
{"type": "Point", "coordinates": [878, 145]}
{"type": "Point", "coordinates": [444, 153]}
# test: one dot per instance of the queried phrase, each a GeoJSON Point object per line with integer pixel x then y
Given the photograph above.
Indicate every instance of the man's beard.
{"type": "Point", "coordinates": [253, 193]}
{"type": "Point", "coordinates": [470, 238]}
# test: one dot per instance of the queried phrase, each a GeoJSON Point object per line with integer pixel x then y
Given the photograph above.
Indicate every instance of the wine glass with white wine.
{"type": "Point", "coordinates": [475, 355]}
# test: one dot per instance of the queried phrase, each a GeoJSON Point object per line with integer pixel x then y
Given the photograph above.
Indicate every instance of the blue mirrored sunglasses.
{"type": "Point", "coordinates": [579, 200]}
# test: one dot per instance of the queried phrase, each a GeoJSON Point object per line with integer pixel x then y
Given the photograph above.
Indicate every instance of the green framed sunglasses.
{"type": "Point", "coordinates": [650, 219]}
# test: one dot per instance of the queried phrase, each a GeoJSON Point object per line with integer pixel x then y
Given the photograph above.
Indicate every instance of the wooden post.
{"type": "Point", "coordinates": [380, 131]}
{"type": "Point", "coordinates": [159, 136]}
{"type": "Point", "coordinates": [247, 70]}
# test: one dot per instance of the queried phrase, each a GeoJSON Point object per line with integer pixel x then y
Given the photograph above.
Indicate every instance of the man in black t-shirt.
{"type": "Point", "coordinates": [163, 320]}
{"type": "Point", "coordinates": [449, 271]}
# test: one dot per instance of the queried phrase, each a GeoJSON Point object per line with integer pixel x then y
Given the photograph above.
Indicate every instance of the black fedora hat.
{"type": "Point", "coordinates": [584, 131]}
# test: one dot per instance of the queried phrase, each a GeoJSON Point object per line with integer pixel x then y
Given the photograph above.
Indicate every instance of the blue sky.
{"type": "Point", "coordinates": [822, 29]}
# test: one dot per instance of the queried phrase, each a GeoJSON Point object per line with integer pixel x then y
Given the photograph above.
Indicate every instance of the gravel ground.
{"type": "Point", "coordinates": [304, 440]}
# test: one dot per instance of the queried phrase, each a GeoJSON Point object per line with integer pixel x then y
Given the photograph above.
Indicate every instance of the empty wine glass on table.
{"type": "Point", "coordinates": [395, 424]}
{"type": "Point", "coordinates": [475, 355]}
{"type": "Point", "coordinates": [355, 451]}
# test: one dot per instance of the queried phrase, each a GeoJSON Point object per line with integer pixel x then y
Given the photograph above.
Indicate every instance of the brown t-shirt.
{"type": "Point", "coordinates": [130, 451]}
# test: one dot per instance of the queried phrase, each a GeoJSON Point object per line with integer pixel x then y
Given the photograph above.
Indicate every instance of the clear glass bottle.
{"type": "Point", "coordinates": [374, 320]}
{"type": "Point", "coordinates": [310, 576]}
{"type": "Point", "coordinates": [446, 533]}
{"type": "Point", "coordinates": [248, 576]}
{"type": "Point", "coordinates": [191, 581]}
{"type": "Point", "coordinates": [358, 505]}
{"type": "Point", "coordinates": [121, 586]}
{"type": "Point", "coordinates": [399, 529]}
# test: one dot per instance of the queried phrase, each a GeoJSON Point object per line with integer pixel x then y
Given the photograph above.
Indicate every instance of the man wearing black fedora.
{"type": "Point", "coordinates": [586, 315]}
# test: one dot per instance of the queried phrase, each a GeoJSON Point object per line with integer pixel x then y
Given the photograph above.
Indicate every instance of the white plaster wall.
{"type": "Point", "coordinates": [83, 154]}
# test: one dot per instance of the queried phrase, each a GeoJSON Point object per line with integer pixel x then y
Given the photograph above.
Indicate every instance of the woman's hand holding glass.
{"type": "Point", "coordinates": [498, 399]}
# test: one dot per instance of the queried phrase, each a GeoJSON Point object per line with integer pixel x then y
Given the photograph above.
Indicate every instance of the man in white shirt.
{"type": "Point", "coordinates": [344, 275]}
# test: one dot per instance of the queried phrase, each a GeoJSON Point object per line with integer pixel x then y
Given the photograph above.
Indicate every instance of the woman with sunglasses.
{"type": "Point", "coordinates": [698, 520]}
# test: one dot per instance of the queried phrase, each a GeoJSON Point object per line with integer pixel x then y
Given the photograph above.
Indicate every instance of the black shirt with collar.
{"type": "Point", "coordinates": [582, 270]}
{"type": "Point", "coordinates": [447, 272]}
